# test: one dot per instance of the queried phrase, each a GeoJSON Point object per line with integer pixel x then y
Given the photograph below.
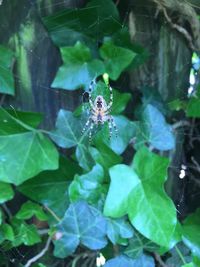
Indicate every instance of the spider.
{"type": "Point", "coordinates": [99, 110]}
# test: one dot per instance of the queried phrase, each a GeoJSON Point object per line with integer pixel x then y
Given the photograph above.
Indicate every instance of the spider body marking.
{"type": "Point", "coordinates": [99, 112]}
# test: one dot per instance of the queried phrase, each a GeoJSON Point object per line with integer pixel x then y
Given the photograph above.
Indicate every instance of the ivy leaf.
{"type": "Point", "coordinates": [68, 135]}
{"type": "Point", "coordinates": [116, 59]}
{"type": "Point", "coordinates": [13, 121]}
{"type": "Point", "coordinates": [122, 38]}
{"type": "Point", "coordinates": [118, 229]}
{"type": "Point", "coordinates": [6, 76]}
{"type": "Point", "coordinates": [104, 156]}
{"type": "Point", "coordinates": [24, 151]}
{"type": "Point", "coordinates": [50, 187]}
{"type": "Point", "coordinates": [126, 130]}
{"type": "Point", "coordinates": [6, 233]}
{"type": "Point", "coordinates": [154, 130]}
{"type": "Point", "coordinates": [188, 265]}
{"type": "Point", "coordinates": [78, 70]}
{"type": "Point", "coordinates": [30, 209]}
{"type": "Point", "coordinates": [81, 224]}
{"type": "Point", "coordinates": [137, 244]}
{"type": "Point", "coordinates": [191, 232]}
{"type": "Point", "coordinates": [7, 192]}
{"type": "Point", "coordinates": [174, 258]}
{"type": "Point", "coordinates": [88, 186]}
{"type": "Point", "coordinates": [84, 27]}
{"type": "Point", "coordinates": [131, 192]}
{"type": "Point", "coordinates": [24, 233]}
{"type": "Point", "coordinates": [193, 105]}
{"type": "Point", "coordinates": [122, 261]}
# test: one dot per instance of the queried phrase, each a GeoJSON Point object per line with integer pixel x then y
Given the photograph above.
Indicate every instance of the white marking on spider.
{"type": "Point", "coordinates": [99, 112]}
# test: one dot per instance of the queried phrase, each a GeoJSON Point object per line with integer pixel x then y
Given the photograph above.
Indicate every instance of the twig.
{"type": "Point", "coordinates": [6, 209]}
{"type": "Point", "coordinates": [159, 260]}
{"type": "Point", "coordinates": [191, 132]}
{"type": "Point", "coordinates": [43, 231]}
{"type": "Point", "coordinates": [75, 261]}
{"type": "Point", "coordinates": [180, 124]}
{"type": "Point", "coordinates": [117, 2]}
{"type": "Point", "coordinates": [2, 100]}
{"type": "Point", "coordinates": [40, 255]}
{"type": "Point", "coordinates": [180, 29]}
{"type": "Point", "coordinates": [196, 164]}
{"type": "Point", "coordinates": [52, 213]}
{"type": "Point", "coordinates": [115, 250]}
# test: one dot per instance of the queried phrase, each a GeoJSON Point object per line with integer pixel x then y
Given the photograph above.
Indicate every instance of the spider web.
{"type": "Point", "coordinates": [37, 52]}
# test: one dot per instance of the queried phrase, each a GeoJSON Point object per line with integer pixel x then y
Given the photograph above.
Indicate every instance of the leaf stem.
{"type": "Point", "coordinates": [40, 255]}
{"type": "Point", "coordinates": [52, 213]}
{"type": "Point", "coordinates": [180, 255]}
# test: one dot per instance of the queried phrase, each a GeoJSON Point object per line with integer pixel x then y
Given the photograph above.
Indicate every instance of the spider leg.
{"type": "Point", "coordinates": [86, 125]}
{"type": "Point", "coordinates": [90, 133]}
{"type": "Point", "coordinates": [111, 97]}
{"type": "Point", "coordinates": [90, 94]}
{"type": "Point", "coordinates": [114, 125]}
{"type": "Point", "coordinates": [110, 127]}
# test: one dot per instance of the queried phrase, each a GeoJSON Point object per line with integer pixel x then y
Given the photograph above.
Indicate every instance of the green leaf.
{"type": "Point", "coordinates": [85, 27]}
{"type": "Point", "coordinates": [138, 191]}
{"type": "Point", "coordinates": [39, 265]}
{"type": "Point", "coordinates": [137, 244]}
{"type": "Point", "coordinates": [104, 156]}
{"type": "Point", "coordinates": [88, 186]}
{"type": "Point", "coordinates": [175, 252]}
{"type": "Point", "coordinates": [120, 102]}
{"type": "Point", "coordinates": [191, 232]}
{"type": "Point", "coordinates": [50, 187]}
{"type": "Point", "coordinates": [193, 110]}
{"type": "Point", "coordinates": [81, 224]}
{"type": "Point", "coordinates": [126, 131]}
{"type": "Point", "coordinates": [154, 130]}
{"type": "Point", "coordinates": [117, 229]}
{"type": "Point", "coordinates": [24, 151]}
{"type": "Point", "coordinates": [78, 70]}
{"type": "Point", "coordinates": [196, 260]}
{"type": "Point", "coordinates": [13, 121]}
{"type": "Point", "coordinates": [188, 265]}
{"type": "Point", "coordinates": [123, 261]}
{"type": "Point", "coordinates": [7, 192]}
{"type": "Point", "coordinates": [6, 76]}
{"type": "Point", "coordinates": [68, 134]}
{"type": "Point", "coordinates": [30, 152]}
{"type": "Point", "coordinates": [6, 233]}
{"type": "Point", "coordinates": [24, 233]}
{"type": "Point", "coordinates": [116, 59]}
{"type": "Point", "coordinates": [30, 209]}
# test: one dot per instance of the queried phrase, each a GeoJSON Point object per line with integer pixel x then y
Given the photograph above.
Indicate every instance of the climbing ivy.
{"type": "Point", "coordinates": [90, 197]}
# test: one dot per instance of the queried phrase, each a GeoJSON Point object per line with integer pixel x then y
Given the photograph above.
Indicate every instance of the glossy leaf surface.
{"type": "Point", "coordinates": [81, 224]}
{"type": "Point", "coordinates": [78, 68]}
{"type": "Point", "coordinates": [131, 192]}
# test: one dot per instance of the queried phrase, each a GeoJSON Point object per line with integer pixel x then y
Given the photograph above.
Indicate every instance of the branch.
{"type": "Point", "coordinates": [186, 14]}
{"type": "Point", "coordinates": [180, 29]}
{"type": "Point", "coordinates": [40, 255]}
{"type": "Point", "coordinates": [180, 124]}
{"type": "Point", "coordinates": [196, 164]}
{"type": "Point", "coordinates": [159, 260]}
{"type": "Point", "coordinates": [6, 209]}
